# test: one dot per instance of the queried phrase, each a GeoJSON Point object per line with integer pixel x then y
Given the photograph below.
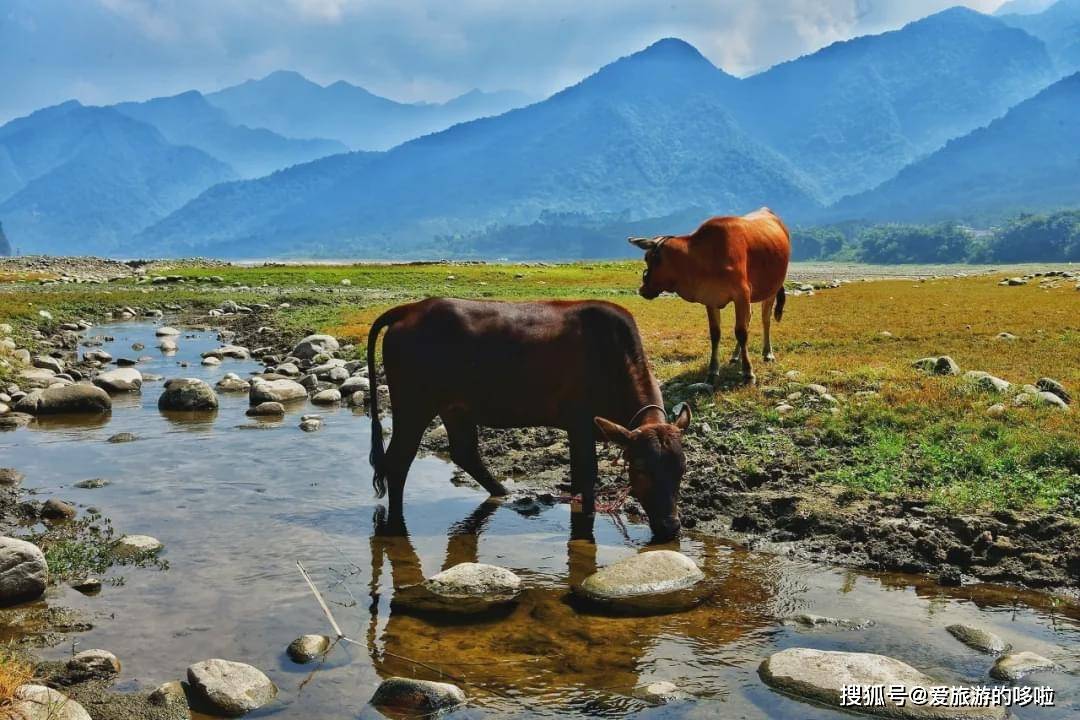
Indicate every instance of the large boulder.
{"type": "Point", "coordinates": [24, 574]}
{"type": "Point", "coordinates": [464, 588]}
{"type": "Point", "coordinates": [282, 390]}
{"type": "Point", "coordinates": [120, 380]}
{"type": "Point", "coordinates": [231, 687]}
{"type": "Point", "coordinates": [821, 675]}
{"type": "Point", "coordinates": [419, 697]}
{"type": "Point", "coordinates": [652, 581]}
{"type": "Point", "coordinates": [187, 394]}
{"type": "Point", "coordinates": [63, 399]}
{"type": "Point", "coordinates": [313, 345]}
{"type": "Point", "coordinates": [37, 702]}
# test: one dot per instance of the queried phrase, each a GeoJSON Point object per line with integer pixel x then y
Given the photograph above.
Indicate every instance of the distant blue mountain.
{"type": "Point", "coordinates": [290, 104]}
{"type": "Point", "coordinates": [646, 136]}
{"type": "Point", "coordinates": [1058, 26]}
{"type": "Point", "coordinates": [188, 119]}
{"type": "Point", "coordinates": [80, 180]}
{"type": "Point", "coordinates": [1029, 160]}
{"type": "Point", "coordinates": [854, 113]}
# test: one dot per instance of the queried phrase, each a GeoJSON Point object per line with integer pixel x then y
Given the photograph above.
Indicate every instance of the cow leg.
{"type": "Point", "coordinates": [404, 442]}
{"type": "Point", "coordinates": [583, 464]}
{"type": "Point", "coordinates": [742, 332]}
{"type": "Point", "coordinates": [766, 327]}
{"type": "Point", "coordinates": [714, 340]}
{"type": "Point", "coordinates": [465, 452]}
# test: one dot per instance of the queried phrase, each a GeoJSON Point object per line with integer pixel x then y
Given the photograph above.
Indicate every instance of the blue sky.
{"type": "Point", "coordinates": [103, 51]}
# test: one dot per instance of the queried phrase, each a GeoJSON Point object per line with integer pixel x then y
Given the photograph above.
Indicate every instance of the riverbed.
{"type": "Point", "coordinates": [238, 501]}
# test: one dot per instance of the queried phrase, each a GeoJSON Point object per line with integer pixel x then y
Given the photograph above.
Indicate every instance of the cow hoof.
{"type": "Point", "coordinates": [769, 358]}
{"type": "Point", "coordinates": [749, 379]}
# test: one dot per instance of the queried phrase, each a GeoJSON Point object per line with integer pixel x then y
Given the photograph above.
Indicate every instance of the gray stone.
{"type": "Point", "coordinates": [167, 345]}
{"type": "Point", "coordinates": [122, 437]}
{"type": "Point", "coordinates": [423, 697]}
{"type": "Point", "coordinates": [810, 620]}
{"type": "Point", "coordinates": [24, 573]}
{"type": "Point", "coordinates": [231, 687]}
{"type": "Point", "coordinates": [266, 409]}
{"type": "Point", "coordinates": [313, 345]}
{"type": "Point", "coordinates": [985, 381]}
{"type": "Point", "coordinates": [997, 410]}
{"type": "Point", "coordinates": [211, 361]}
{"type": "Point", "coordinates": [92, 484]}
{"type": "Point", "coordinates": [233, 383]}
{"type": "Point", "coordinates": [49, 363]}
{"type": "Point", "coordinates": [166, 331]}
{"type": "Point", "coordinates": [94, 663]}
{"type": "Point", "coordinates": [327, 397]}
{"type": "Point", "coordinates": [653, 580]}
{"type": "Point", "coordinates": [37, 702]}
{"type": "Point", "coordinates": [311, 424]}
{"type": "Point", "coordinates": [1049, 398]}
{"type": "Point", "coordinates": [169, 693]}
{"type": "Point", "coordinates": [10, 477]}
{"type": "Point", "coordinates": [308, 648]}
{"type": "Point", "coordinates": [120, 380]}
{"type": "Point", "coordinates": [275, 391]}
{"type": "Point", "coordinates": [287, 368]}
{"type": "Point", "coordinates": [87, 585]}
{"type": "Point", "coordinates": [1050, 385]}
{"type": "Point", "coordinates": [63, 399]}
{"type": "Point", "coordinates": [355, 383]}
{"type": "Point", "coordinates": [187, 394]}
{"type": "Point", "coordinates": [1018, 665]}
{"type": "Point", "coordinates": [820, 675]}
{"type": "Point", "coordinates": [137, 545]}
{"type": "Point", "coordinates": [979, 639]}
{"type": "Point", "coordinates": [659, 692]}
{"type": "Point", "coordinates": [464, 588]}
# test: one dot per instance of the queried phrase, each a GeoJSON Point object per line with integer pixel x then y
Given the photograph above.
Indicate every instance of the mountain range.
{"type": "Point", "coordinates": [911, 124]}
{"type": "Point", "coordinates": [290, 104]}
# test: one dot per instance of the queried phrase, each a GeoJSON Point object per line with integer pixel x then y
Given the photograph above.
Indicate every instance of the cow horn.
{"type": "Point", "coordinates": [643, 242]}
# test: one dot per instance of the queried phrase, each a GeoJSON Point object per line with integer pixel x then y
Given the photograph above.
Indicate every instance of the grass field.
{"type": "Point", "coordinates": [923, 436]}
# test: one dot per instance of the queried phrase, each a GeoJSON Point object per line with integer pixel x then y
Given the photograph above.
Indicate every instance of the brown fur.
{"type": "Point", "coordinates": [727, 259]}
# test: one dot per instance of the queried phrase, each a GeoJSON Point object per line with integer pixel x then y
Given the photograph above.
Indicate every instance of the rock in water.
{"type": "Point", "coordinates": [122, 437]}
{"type": "Point", "coordinates": [55, 509]}
{"type": "Point", "coordinates": [120, 380]}
{"type": "Point", "coordinates": [24, 574]}
{"type": "Point", "coordinates": [282, 390]}
{"type": "Point", "coordinates": [231, 687]}
{"type": "Point", "coordinates": [37, 702]}
{"type": "Point", "coordinates": [821, 675]}
{"type": "Point", "coordinates": [659, 692]}
{"type": "Point", "coordinates": [979, 639]}
{"type": "Point", "coordinates": [1018, 665]}
{"type": "Point", "coordinates": [464, 588]}
{"type": "Point", "coordinates": [308, 648]}
{"type": "Point", "coordinates": [331, 396]}
{"type": "Point", "coordinates": [168, 693]}
{"type": "Point", "coordinates": [61, 399]}
{"type": "Point", "coordinates": [137, 545]}
{"type": "Point", "coordinates": [653, 581]}
{"type": "Point", "coordinates": [166, 331]}
{"type": "Point", "coordinates": [266, 409]}
{"type": "Point", "coordinates": [187, 394]}
{"type": "Point", "coordinates": [417, 696]}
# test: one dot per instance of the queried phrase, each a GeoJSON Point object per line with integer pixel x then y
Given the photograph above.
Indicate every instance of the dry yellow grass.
{"type": "Point", "coordinates": [14, 673]}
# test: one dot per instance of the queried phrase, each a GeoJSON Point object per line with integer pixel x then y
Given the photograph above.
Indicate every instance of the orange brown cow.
{"type": "Point", "coordinates": [727, 259]}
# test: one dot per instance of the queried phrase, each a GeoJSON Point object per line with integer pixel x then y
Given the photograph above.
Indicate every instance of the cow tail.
{"type": "Point", "coordinates": [781, 298]}
{"type": "Point", "coordinates": [378, 452]}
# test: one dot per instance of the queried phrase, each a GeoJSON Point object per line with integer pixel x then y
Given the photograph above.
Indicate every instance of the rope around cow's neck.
{"type": "Point", "coordinates": [639, 413]}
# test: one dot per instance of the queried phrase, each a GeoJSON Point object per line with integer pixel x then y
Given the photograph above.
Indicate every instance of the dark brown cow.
{"type": "Point", "coordinates": [578, 366]}
{"type": "Point", "coordinates": [728, 259]}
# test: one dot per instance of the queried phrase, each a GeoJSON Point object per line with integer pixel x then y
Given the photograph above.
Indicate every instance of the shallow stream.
{"type": "Point", "coordinates": [238, 502]}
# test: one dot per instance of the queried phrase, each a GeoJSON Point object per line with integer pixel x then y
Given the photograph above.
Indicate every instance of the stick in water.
{"type": "Point", "coordinates": [322, 603]}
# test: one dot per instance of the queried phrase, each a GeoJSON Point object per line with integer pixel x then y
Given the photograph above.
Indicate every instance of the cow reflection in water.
{"type": "Point", "coordinates": [545, 649]}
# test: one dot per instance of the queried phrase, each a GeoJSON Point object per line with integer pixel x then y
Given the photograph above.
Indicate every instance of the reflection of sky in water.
{"type": "Point", "coordinates": [237, 508]}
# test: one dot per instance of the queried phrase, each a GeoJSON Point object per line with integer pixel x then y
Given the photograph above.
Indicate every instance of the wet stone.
{"type": "Point", "coordinates": [94, 663]}
{"type": "Point", "coordinates": [308, 648]}
{"type": "Point", "coordinates": [24, 574]}
{"type": "Point", "coordinates": [266, 409]}
{"type": "Point", "coordinates": [37, 702]}
{"type": "Point", "coordinates": [978, 639]}
{"type": "Point", "coordinates": [231, 687]}
{"type": "Point", "coordinates": [122, 437]}
{"type": "Point", "coordinates": [92, 484]}
{"type": "Point", "coordinates": [137, 545]}
{"type": "Point", "coordinates": [1015, 666]}
{"type": "Point", "coordinates": [809, 620]}
{"type": "Point", "coordinates": [464, 588]}
{"type": "Point", "coordinates": [417, 696]}
{"type": "Point", "coordinates": [55, 509]}
{"type": "Point", "coordinates": [187, 394]}
{"type": "Point", "coordinates": [649, 582]}
{"type": "Point", "coordinates": [820, 675]}
{"type": "Point", "coordinates": [660, 692]}
{"type": "Point", "coordinates": [10, 477]}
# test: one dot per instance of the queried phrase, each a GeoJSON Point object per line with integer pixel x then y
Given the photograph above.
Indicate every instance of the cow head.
{"type": "Point", "coordinates": [656, 463]}
{"type": "Point", "coordinates": [658, 275]}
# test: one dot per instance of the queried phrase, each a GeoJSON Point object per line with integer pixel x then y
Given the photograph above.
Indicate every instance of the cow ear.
{"type": "Point", "coordinates": [613, 432]}
{"type": "Point", "coordinates": [682, 417]}
{"type": "Point", "coordinates": [644, 243]}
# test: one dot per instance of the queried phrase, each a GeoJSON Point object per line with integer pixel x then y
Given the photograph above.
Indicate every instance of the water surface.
{"type": "Point", "coordinates": [238, 502]}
